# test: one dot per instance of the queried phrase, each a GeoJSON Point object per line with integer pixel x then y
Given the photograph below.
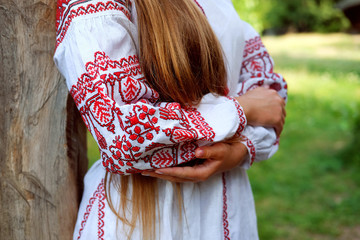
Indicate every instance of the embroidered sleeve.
{"type": "Point", "coordinates": [257, 70]}
{"type": "Point", "coordinates": [96, 53]}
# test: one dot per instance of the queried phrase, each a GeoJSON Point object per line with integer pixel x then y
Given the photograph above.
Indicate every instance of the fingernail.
{"type": "Point", "coordinates": [199, 152]}
{"type": "Point", "coordinates": [159, 172]}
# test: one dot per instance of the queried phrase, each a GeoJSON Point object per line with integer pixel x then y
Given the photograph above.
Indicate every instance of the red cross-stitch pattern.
{"type": "Point", "coordinates": [251, 148]}
{"type": "Point", "coordinates": [133, 130]}
{"type": "Point", "coordinates": [68, 10]}
{"type": "Point", "coordinates": [99, 195]}
{"type": "Point", "coordinates": [243, 120]}
{"type": "Point", "coordinates": [253, 45]}
{"type": "Point", "coordinates": [257, 69]}
{"type": "Point", "coordinates": [117, 107]}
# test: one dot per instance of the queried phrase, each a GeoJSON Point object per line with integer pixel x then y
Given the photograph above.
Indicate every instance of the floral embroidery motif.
{"type": "Point", "coordinates": [116, 105]}
{"type": "Point", "coordinates": [133, 130]}
{"type": "Point", "coordinates": [257, 69]}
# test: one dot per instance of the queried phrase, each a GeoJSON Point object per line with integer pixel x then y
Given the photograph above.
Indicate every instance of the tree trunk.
{"type": "Point", "coordinates": [42, 138]}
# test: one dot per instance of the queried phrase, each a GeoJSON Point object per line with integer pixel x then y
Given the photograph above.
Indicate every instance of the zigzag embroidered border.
{"type": "Point", "coordinates": [67, 12]}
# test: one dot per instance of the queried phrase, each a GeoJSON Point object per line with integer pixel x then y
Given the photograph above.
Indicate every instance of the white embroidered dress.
{"type": "Point", "coordinates": [96, 51]}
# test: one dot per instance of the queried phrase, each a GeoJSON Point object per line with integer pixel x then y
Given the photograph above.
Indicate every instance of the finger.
{"type": "Point", "coordinates": [196, 173]}
{"type": "Point", "coordinates": [215, 151]}
{"type": "Point", "coordinates": [166, 177]}
{"type": "Point", "coordinates": [283, 120]}
{"type": "Point", "coordinates": [283, 102]}
{"type": "Point", "coordinates": [280, 127]}
{"type": "Point", "coordinates": [278, 130]}
{"type": "Point", "coordinates": [180, 172]}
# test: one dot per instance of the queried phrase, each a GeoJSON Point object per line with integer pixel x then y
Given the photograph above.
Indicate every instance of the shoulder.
{"type": "Point", "coordinates": [70, 11]}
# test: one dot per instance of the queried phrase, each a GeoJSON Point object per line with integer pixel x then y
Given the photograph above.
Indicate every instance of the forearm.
{"type": "Point", "coordinates": [97, 55]}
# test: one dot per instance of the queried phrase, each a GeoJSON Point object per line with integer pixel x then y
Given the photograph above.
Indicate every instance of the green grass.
{"type": "Point", "coordinates": [308, 190]}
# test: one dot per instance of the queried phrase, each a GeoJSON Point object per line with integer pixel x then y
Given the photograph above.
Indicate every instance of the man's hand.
{"type": "Point", "coordinates": [264, 107]}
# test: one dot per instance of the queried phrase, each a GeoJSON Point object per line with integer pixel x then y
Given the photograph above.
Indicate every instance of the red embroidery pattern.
{"type": "Point", "coordinates": [101, 212]}
{"type": "Point", "coordinates": [164, 157]}
{"type": "Point", "coordinates": [60, 8]}
{"type": "Point", "coordinates": [258, 63]}
{"type": "Point", "coordinates": [188, 150]}
{"type": "Point", "coordinates": [128, 134]}
{"type": "Point", "coordinates": [225, 215]}
{"type": "Point", "coordinates": [251, 148]}
{"type": "Point", "coordinates": [252, 45]}
{"type": "Point", "coordinates": [173, 111]}
{"type": "Point", "coordinates": [99, 195]}
{"type": "Point", "coordinates": [242, 116]}
{"type": "Point", "coordinates": [67, 12]}
{"type": "Point", "coordinates": [257, 69]}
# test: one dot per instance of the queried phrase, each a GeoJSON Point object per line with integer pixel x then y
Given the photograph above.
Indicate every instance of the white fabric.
{"type": "Point", "coordinates": [96, 43]}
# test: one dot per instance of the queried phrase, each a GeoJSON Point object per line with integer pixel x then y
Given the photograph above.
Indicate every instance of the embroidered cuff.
{"type": "Point", "coordinates": [250, 147]}
{"type": "Point", "coordinates": [242, 117]}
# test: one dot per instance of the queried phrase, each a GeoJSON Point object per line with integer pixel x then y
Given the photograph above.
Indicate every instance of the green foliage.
{"type": "Point", "coordinates": [352, 152]}
{"type": "Point", "coordinates": [93, 150]}
{"type": "Point", "coordinates": [309, 189]}
{"type": "Point", "coordinates": [280, 16]}
{"type": "Point", "coordinates": [252, 11]}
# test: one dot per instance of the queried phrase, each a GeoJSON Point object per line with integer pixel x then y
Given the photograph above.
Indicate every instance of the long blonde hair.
{"type": "Point", "coordinates": [182, 60]}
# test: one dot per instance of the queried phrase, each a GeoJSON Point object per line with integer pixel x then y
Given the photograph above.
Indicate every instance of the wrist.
{"type": "Point", "coordinates": [242, 152]}
{"type": "Point", "coordinates": [245, 106]}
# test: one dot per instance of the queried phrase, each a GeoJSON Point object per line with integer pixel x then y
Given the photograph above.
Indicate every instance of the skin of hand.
{"type": "Point", "coordinates": [264, 107]}
{"type": "Point", "coordinates": [220, 157]}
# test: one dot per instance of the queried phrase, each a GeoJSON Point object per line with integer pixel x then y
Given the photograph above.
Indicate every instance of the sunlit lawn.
{"type": "Point", "coordinates": [307, 191]}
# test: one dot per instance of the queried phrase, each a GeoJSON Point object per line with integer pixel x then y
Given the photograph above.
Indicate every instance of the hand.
{"type": "Point", "coordinates": [220, 157]}
{"type": "Point", "coordinates": [264, 107]}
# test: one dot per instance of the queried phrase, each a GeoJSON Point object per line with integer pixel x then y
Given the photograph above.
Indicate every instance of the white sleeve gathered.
{"type": "Point", "coordinates": [97, 54]}
{"type": "Point", "coordinates": [256, 71]}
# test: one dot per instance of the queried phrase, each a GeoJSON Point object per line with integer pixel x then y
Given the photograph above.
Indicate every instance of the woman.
{"type": "Point", "coordinates": [195, 57]}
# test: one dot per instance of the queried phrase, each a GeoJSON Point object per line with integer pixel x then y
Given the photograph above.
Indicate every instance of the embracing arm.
{"type": "Point", "coordinates": [262, 140]}
{"type": "Point", "coordinates": [262, 94]}
{"type": "Point", "coordinates": [96, 53]}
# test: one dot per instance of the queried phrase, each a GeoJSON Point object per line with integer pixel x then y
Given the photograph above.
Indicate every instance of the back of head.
{"type": "Point", "coordinates": [182, 60]}
{"type": "Point", "coordinates": [180, 55]}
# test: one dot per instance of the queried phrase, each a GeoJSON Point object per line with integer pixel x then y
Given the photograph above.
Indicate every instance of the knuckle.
{"type": "Point", "coordinates": [202, 177]}
{"type": "Point", "coordinates": [221, 151]}
{"type": "Point", "coordinates": [274, 93]}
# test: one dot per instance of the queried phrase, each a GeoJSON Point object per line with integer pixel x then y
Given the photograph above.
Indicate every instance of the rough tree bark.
{"type": "Point", "coordinates": [42, 138]}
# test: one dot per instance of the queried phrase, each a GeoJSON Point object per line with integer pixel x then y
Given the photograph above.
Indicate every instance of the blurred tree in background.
{"type": "Point", "coordinates": [281, 16]}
